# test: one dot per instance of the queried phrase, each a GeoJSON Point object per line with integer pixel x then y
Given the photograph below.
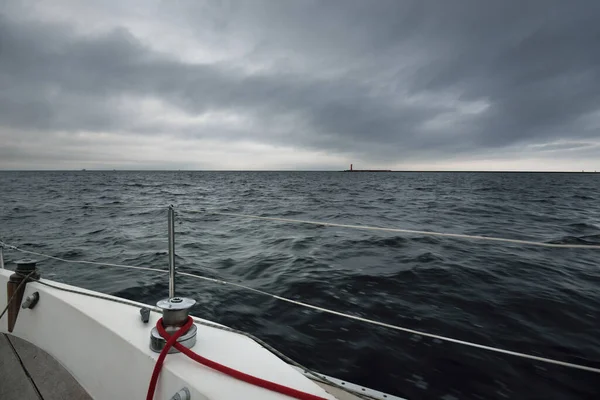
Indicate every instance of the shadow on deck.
{"type": "Point", "coordinates": [29, 373]}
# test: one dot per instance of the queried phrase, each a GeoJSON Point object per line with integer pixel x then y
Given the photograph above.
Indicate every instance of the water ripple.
{"type": "Point", "coordinates": [540, 301]}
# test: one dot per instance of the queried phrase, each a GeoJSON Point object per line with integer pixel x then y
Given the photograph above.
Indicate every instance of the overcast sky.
{"type": "Point", "coordinates": [504, 85]}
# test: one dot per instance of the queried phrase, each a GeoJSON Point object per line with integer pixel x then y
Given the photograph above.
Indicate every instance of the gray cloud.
{"type": "Point", "coordinates": [382, 83]}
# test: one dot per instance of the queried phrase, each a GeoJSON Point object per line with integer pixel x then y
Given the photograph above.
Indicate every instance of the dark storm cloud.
{"type": "Point", "coordinates": [382, 80]}
{"type": "Point", "coordinates": [537, 69]}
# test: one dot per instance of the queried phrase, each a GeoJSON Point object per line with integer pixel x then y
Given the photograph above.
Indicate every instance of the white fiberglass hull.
{"type": "Point", "coordinates": [104, 345]}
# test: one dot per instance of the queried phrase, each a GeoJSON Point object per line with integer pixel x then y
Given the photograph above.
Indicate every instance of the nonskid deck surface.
{"type": "Point", "coordinates": [29, 373]}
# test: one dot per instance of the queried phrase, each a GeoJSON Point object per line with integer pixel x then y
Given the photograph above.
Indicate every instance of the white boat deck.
{"type": "Point", "coordinates": [29, 373]}
{"type": "Point", "coordinates": [97, 348]}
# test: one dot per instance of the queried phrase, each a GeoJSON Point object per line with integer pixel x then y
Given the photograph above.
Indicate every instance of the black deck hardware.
{"type": "Point", "coordinates": [145, 314]}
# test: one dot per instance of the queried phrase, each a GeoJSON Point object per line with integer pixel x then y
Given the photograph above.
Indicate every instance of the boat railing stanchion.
{"type": "Point", "coordinates": [171, 223]}
{"type": "Point", "coordinates": [1, 256]}
{"type": "Point", "coordinates": [175, 310]}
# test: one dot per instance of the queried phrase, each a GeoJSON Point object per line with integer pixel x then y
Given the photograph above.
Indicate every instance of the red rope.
{"type": "Point", "coordinates": [163, 354]}
{"type": "Point", "coordinates": [172, 341]}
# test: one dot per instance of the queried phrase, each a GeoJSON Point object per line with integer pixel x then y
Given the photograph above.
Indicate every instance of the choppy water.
{"type": "Point", "coordinates": [537, 300]}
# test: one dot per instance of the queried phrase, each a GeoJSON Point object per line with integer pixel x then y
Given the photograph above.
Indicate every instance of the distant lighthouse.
{"type": "Point", "coordinates": [366, 170]}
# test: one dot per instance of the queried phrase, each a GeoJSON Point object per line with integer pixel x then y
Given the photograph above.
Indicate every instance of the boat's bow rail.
{"type": "Point", "coordinates": [88, 310]}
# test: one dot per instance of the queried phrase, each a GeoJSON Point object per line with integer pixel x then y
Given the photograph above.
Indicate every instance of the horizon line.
{"type": "Point", "coordinates": [296, 170]}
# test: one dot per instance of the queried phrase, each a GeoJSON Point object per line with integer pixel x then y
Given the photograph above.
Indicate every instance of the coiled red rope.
{"type": "Point", "coordinates": [172, 342]}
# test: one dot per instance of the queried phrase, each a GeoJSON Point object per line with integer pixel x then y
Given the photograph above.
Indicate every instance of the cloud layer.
{"type": "Point", "coordinates": [300, 85]}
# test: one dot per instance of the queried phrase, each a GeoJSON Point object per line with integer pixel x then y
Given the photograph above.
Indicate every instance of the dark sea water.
{"type": "Point", "coordinates": [537, 300]}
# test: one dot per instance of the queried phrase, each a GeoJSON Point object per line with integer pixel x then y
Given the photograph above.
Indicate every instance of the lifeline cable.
{"type": "Point", "coordinates": [400, 230]}
{"type": "Point", "coordinates": [354, 317]}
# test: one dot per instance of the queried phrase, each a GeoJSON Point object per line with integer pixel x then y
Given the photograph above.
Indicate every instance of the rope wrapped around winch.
{"type": "Point", "coordinates": [253, 380]}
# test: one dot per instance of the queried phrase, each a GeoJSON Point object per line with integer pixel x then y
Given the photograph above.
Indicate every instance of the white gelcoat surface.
{"type": "Point", "coordinates": [105, 346]}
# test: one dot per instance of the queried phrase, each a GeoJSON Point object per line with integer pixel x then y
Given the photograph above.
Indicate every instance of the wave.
{"type": "Point", "coordinates": [583, 226]}
{"type": "Point", "coordinates": [582, 197]}
{"type": "Point", "coordinates": [588, 239]}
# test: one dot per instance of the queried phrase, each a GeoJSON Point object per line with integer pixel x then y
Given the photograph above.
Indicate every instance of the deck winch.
{"type": "Point", "coordinates": [175, 315]}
